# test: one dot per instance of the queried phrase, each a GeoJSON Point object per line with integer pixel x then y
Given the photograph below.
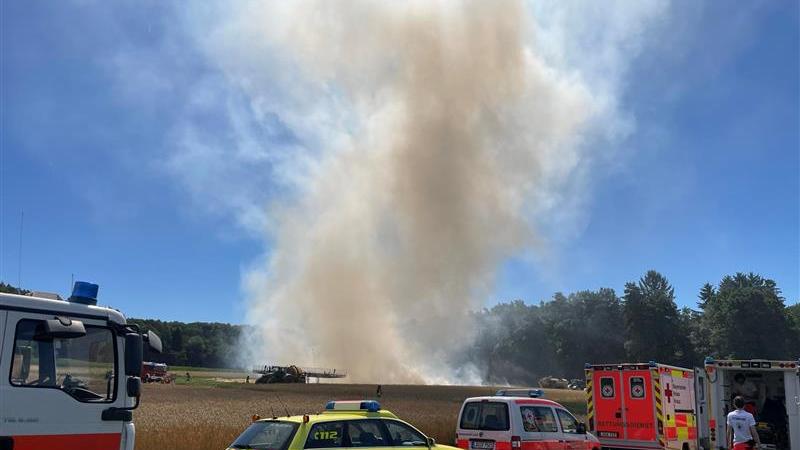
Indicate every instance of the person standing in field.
{"type": "Point", "coordinates": [742, 434]}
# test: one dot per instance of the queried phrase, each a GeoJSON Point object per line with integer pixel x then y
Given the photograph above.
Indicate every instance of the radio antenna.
{"type": "Point", "coordinates": [283, 405]}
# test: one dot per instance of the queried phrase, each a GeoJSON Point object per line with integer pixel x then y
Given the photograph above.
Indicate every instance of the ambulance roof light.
{"type": "Point", "coordinates": [652, 363]}
{"type": "Point", "coordinates": [709, 360]}
{"type": "Point", "coordinates": [532, 393]}
{"type": "Point", "coordinates": [84, 293]}
{"type": "Point", "coordinates": [358, 405]}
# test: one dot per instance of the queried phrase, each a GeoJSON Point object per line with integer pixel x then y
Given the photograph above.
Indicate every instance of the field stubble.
{"type": "Point", "coordinates": [201, 417]}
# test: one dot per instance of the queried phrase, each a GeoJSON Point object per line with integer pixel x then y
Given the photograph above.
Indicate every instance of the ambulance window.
{"type": "Point", "coordinates": [326, 435]}
{"type": "Point", "coordinates": [607, 387]}
{"type": "Point", "coordinates": [538, 419]}
{"type": "Point", "coordinates": [638, 391]}
{"type": "Point", "coordinates": [485, 415]}
{"type": "Point", "coordinates": [403, 435]}
{"type": "Point", "coordinates": [83, 367]}
{"type": "Point", "coordinates": [568, 423]}
{"type": "Point", "coordinates": [266, 436]}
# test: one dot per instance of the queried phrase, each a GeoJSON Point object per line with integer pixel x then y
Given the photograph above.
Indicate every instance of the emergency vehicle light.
{"type": "Point", "coordinates": [84, 293]}
{"type": "Point", "coordinates": [358, 405]}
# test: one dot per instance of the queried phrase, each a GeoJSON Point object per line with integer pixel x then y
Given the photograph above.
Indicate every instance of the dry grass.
{"type": "Point", "coordinates": [210, 417]}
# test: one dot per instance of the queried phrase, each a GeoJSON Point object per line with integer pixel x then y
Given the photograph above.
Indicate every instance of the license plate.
{"type": "Point", "coordinates": [482, 445]}
{"type": "Point", "coordinates": [609, 434]}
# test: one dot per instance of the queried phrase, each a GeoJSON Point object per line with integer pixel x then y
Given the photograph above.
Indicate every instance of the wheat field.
{"type": "Point", "coordinates": [209, 416]}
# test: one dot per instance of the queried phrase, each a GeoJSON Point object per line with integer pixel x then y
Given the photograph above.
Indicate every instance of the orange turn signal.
{"type": "Point", "coordinates": [305, 418]}
{"type": "Point", "coordinates": [256, 417]}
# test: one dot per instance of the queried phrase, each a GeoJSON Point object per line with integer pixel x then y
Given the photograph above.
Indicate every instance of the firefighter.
{"type": "Point", "coordinates": [742, 434]}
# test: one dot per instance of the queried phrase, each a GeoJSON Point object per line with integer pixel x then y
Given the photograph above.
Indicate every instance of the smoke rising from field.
{"type": "Point", "coordinates": [439, 131]}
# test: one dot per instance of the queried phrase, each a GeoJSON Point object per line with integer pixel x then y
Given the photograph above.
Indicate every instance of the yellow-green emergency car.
{"type": "Point", "coordinates": [343, 424]}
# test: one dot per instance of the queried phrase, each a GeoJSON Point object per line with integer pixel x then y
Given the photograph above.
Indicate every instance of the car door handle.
{"type": "Point", "coordinates": [561, 441]}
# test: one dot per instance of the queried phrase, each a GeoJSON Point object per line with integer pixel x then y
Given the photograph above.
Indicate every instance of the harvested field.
{"type": "Point", "coordinates": [206, 417]}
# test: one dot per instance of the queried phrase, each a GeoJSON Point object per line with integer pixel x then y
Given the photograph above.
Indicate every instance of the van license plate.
{"type": "Point", "coordinates": [481, 445]}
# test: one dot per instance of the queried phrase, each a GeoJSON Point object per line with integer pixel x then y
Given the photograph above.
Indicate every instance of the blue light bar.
{"type": "Point", "coordinates": [532, 393]}
{"type": "Point", "coordinates": [358, 405]}
{"type": "Point", "coordinates": [84, 293]}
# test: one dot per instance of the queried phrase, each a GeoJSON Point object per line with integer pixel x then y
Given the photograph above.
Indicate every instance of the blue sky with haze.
{"type": "Point", "coordinates": [93, 98]}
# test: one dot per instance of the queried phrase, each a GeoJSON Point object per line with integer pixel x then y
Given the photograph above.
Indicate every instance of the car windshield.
{"type": "Point", "coordinates": [272, 435]}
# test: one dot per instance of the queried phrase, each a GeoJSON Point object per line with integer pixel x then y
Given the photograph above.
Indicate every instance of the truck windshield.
{"type": "Point", "coordinates": [83, 367]}
{"type": "Point", "coordinates": [272, 435]}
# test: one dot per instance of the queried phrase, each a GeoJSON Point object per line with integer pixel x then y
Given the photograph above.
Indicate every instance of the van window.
{"type": "Point", "coordinates": [83, 367]}
{"type": "Point", "coordinates": [637, 388]}
{"type": "Point", "coordinates": [538, 419]}
{"type": "Point", "coordinates": [490, 416]}
{"type": "Point", "coordinates": [607, 387]}
{"type": "Point", "coordinates": [568, 423]}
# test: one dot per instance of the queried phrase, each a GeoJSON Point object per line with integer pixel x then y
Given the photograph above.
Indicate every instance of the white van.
{"type": "Point", "coordinates": [504, 423]}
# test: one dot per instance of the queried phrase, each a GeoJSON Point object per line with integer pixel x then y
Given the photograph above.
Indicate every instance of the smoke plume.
{"type": "Point", "coordinates": [426, 138]}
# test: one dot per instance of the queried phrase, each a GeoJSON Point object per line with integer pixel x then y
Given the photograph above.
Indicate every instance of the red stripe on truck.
{"type": "Point", "coordinates": [100, 441]}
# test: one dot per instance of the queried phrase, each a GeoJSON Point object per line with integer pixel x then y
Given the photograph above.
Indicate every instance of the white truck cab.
{"type": "Point", "coordinates": [69, 373]}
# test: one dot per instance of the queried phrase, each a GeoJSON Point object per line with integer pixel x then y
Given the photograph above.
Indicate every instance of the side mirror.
{"type": "Point", "coordinates": [581, 428]}
{"type": "Point", "coordinates": [153, 342]}
{"type": "Point", "coordinates": [133, 354]}
{"type": "Point", "coordinates": [431, 442]}
{"type": "Point", "coordinates": [134, 387]}
{"type": "Point", "coordinates": [59, 328]}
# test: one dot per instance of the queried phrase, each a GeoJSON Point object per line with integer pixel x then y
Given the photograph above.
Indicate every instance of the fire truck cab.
{"type": "Point", "coordinates": [69, 373]}
{"type": "Point", "coordinates": [641, 406]}
{"type": "Point", "coordinates": [771, 390]}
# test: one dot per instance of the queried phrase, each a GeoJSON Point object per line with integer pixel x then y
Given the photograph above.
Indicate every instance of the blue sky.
{"type": "Point", "coordinates": [93, 99]}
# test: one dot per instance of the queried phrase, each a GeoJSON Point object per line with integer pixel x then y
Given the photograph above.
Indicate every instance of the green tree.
{"type": "Point", "coordinates": [738, 314]}
{"type": "Point", "coordinates": [654, 329]}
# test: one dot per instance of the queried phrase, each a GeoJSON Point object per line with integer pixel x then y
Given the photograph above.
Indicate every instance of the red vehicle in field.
{"type": "Point", "coordinates": [153, 372]}
{"type": "Point", "coordinates": [642, 406]}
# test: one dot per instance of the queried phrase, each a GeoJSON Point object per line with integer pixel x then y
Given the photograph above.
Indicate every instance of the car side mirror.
{"type": "Point", "coordinates": [133, 354]}
{"type": "Point", "coordinates": [153, 342]}
{"type": "Point", "coordinates": [431, 442]}
{"type": "Point", "coordinates": [134, 387]}
{"type": "Point", "coordinates": [581, 428]}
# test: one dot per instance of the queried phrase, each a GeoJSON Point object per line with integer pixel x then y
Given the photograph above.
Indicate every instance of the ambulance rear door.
{"type": "Point", "coordinates": [679, 406]}
{"type": "Point", "coordinates": [640, 419]}
{"type": "Point", "coordinates": [608, 404]}
{"type": "Point", "coordinates": [702, 407]}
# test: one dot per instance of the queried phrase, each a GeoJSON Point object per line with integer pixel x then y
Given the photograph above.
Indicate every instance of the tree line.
{"type": "Point", "coordinates": [743, 316]}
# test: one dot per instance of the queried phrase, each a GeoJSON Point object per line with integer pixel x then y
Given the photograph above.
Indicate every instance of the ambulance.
{"type": "Point", "coordinates": [69, 373]}
{"type": "Point", "coordinates": [641, 406]}
{"type": "Point", "coordinates": [771, 390]}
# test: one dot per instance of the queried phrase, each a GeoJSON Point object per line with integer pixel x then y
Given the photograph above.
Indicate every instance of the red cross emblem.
{"type": "Point", "coordinates": [668, 394]}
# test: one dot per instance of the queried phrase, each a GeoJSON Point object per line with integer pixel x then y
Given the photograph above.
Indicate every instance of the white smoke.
{"type": "Point", "coordinates": [426, 140]}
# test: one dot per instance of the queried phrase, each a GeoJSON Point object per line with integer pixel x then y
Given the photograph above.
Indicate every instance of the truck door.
{"type": "Point", "coordinates": [53, 390]}
{"type": "Point", "coordinates": [608, 404]}
{"type": "Point", "coordinates": [792, 386]}
{"type": "Point", "coordinates": [702, 407]}
{"type": "Point", "coordinates": [640, 419]}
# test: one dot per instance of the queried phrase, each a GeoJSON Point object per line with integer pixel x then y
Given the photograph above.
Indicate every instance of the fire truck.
{"type": "Point", "coordinates": [153, 372]}
{"type": "Point", "coordinates": [771, 390]}
{"type": "Point", "coordinates": [641, 406]}
{"type": "Point", "coordinates": [70, 373]}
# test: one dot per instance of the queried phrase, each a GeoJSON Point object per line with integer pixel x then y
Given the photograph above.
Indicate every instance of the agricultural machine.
{"type": "Point", "coordinates": [294, 374]}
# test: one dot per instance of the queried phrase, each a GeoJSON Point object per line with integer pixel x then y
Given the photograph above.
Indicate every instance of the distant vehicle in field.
{"type": "Point", "coordinates": [293, 374]}
{"type": "Point", "coordinates": [520, 423]}
{"type": "Point", "coordinates": [153, 372]}
{"type": "Point", "coordinates": [360, 423]}
{"type": "Point", "coordinates": [553, 383]}
{"type": "Point", "coordinates": [576, 384]}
